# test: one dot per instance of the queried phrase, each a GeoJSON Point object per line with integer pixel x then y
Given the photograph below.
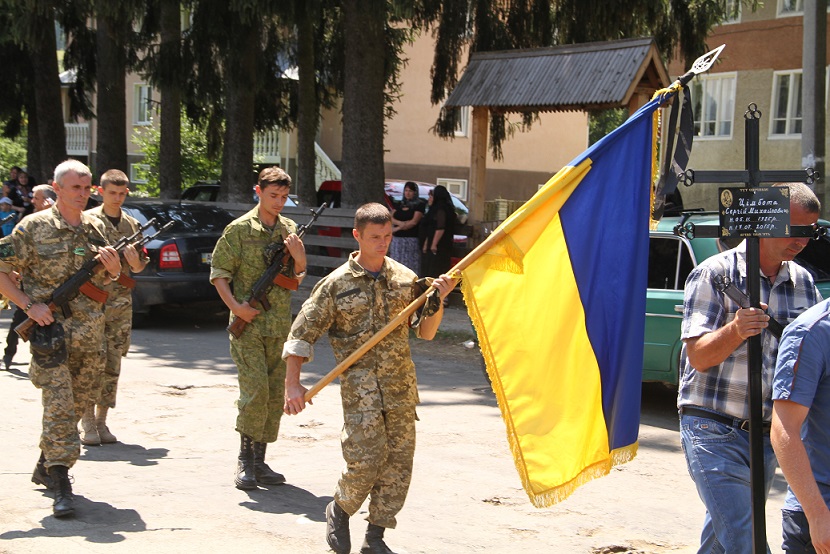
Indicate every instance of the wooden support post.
{"type": "Point", "coordinates": [478, 169]}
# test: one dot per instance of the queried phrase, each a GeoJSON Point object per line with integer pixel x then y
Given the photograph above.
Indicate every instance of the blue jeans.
{"type": "Point", "coordinates": [717, 456]}
{"type": "Point", "coordinates": [796, 532]}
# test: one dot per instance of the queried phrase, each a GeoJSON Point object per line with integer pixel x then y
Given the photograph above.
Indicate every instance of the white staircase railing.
{"type": "Point", "coordinates": [324, 168]}
{"type": "Point", "coordinates": [267, 147]}
{"type": "Point", "coordinates": [77, 139]}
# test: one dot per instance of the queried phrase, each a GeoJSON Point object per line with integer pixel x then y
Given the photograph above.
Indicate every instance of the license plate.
{"type": "Point", "coordinates": [207, 258]}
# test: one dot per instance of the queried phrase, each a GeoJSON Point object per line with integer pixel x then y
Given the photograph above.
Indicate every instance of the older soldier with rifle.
{"type": "Point", "coordinates": [48, 249]}
{"type": "Point", "coordinates": [119, 307]}
{"type": "Point", "coordinates": [243, 254]}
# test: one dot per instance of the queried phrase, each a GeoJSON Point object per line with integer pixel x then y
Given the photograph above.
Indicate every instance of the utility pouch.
{"type": "Point", "coordinates": [48, 345]}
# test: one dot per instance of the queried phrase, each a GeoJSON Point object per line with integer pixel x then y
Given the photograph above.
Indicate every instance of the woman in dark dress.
{"type": "Point", "coordinates": [406, 222]}
{"type": "Point", "coordinates": [438, 227]}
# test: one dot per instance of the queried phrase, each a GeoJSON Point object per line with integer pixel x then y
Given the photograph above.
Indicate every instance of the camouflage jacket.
{"type": "Point", "coordinates": [126, 227]}
{"type": "Point", "coordinates": [47, 251]}
{"type": "Point", "coordinates": [239, 257]}
{"type": "Point", "coordinates": [351, 305]}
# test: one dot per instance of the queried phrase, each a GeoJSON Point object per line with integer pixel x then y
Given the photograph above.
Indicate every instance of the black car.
{"type": "Point", "coordinates": [179, 267]}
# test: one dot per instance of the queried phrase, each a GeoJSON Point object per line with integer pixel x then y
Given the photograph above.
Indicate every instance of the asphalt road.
{"type": "Point", "coordinates": [167, 486]}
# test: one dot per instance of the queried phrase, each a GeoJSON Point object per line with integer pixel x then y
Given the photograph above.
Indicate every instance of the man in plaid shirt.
{"type": "Point", "coordinates": [712, 395]}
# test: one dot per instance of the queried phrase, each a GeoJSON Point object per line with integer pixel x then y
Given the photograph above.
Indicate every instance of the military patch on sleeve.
{"type": "Point", "coordinates": [19, 230]}
{"type": "Point", "coordinates": [6, 250]}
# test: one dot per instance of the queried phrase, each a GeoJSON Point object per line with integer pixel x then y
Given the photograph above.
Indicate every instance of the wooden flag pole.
{"type": "Point", "coordinates": [403, 316]}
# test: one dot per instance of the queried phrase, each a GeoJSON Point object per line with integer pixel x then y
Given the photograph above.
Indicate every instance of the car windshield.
{"type": "Point", "coordinates": [188, 217]}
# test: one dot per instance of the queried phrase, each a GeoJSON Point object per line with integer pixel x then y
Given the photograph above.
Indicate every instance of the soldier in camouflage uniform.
{"type": "Point", "coordinates": [47, 248]}
{"type": "Point", "coordinates": [119, 306]}
{"type": "Point", "coordinates": [239, 258]}
{"type": "Point", "coordinates": [379, 392]}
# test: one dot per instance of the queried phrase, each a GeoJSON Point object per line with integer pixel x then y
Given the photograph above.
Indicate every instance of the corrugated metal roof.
{"type": "Point", "coordinates": [571, 77]}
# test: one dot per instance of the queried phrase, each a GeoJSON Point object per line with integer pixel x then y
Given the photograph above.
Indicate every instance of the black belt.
{"type": "Point", "coordinates": [742, 424]}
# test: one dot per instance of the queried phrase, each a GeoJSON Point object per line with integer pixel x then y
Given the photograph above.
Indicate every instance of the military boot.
{"type": "Point", "coordinates": [337, 529]}
{"type": "Point", "coordinates": [264, 474]}
{"type": "Point", "coordinates": [245, 478]}
{"type": "Point", "coordinates": [89, 432]}
{"type": "Point", "coordinates": [101, 425]}
{"type": "Point", "coordinates": [41, 475]}
{"type": "Point", "coordinates": [63, 504]}
{"type": "Point", "coordinates": [373, 543]}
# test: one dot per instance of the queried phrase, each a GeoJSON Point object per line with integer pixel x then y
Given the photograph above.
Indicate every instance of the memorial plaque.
{"type": "Point", "coordinates": [755, 212]}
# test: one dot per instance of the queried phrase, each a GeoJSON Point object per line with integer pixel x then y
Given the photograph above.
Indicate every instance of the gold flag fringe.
{"type": "Point", "coordinates": [560, 492]}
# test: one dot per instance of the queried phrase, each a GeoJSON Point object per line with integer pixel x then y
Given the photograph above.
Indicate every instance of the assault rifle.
{"type": "Point", "coordinates": [275, 258]}
{"type": "Point", "coordinates": [725, 285]}
{"type": "Point", "coordinates": [80, 281]}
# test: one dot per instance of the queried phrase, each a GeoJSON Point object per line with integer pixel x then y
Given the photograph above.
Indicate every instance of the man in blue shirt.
{"type": "Point", "coordinates": [801, 429]}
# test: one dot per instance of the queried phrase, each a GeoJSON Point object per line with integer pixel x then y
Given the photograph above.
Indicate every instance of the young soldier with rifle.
{"type": "Point", "coordinates": [119, 307]}
{"type": "Point", "coordinates": [242, 255]}
{"type": "Point", "coordinates": [48, 249]}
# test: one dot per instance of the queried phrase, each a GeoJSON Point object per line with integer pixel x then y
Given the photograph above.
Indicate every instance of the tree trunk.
{"type": "Point", "coordinates": [51, 134]}
{"type": "Point", "coordinates": [111, 143]}
{"type": "Point", "coordinates": [240, 93]}
{"type": "Point", "coordinates": [363, 102]}
{"type": "Point", "coordinates": [33, 165]}
{"type": "Point", "coordinates": [308, 108]}
{"type": "Point", "coordinates": [170, 145]}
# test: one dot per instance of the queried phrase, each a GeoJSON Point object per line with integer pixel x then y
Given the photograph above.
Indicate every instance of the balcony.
{"type": "Point", "coordinates": [77, 139]}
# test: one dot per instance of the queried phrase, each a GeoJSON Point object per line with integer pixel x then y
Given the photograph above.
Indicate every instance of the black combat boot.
{"type": "Point", "coordinates": [245, 479]}
{"type": "Point", "coordinates": [40, 476]}
{"type": "Point", "coordinates": [337, 529]}
{"type": "Point", "coordinates": [373, 543]}
{"type": "Point", "coordinates": [264, 474]}
{"type": "Point", "coordinates": [63, 504]}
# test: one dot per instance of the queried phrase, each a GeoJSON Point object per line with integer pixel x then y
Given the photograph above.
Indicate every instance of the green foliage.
{"type": "Point", "coordinates": [12, 152]}
{"type": "Point", "coordinates": [197, 165]}
{"type": "Point", "coordinates": [603, 122]}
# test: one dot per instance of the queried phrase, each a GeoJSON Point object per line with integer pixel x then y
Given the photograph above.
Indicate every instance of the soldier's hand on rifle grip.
{"type": "Point", "coordinates": [297, 250]}
{"type": "Point", "coordinates": [40, 314]}
{"type": "Point", "coordinates": [132, 257]}
{"type": "Point", "coordinates": [110, 259]}
{"type": "Point", "coordinates": [245, 311]}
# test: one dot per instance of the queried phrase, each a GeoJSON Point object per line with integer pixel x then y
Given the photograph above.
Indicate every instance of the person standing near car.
{"type": "Point", "coordinates": [119, 307]}
{"type": "Point", "coordinates": [406, 222]}
{"type": "Point", "coordinates": [47, 248]}
{"type": "Point", "coordinates": [43, 197]}
{"type": "Point", "coordinates": [438, 227]}
{"type": "Point", "coordinates": [712, 394]}
{"type": "Point", "coordinates": [379, 391]}
{"type": "Point", "coordinates": [239, 258]}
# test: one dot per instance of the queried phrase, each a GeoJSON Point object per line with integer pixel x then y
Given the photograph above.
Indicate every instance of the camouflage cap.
{"type": "Point", "coordinates": [48, 345]}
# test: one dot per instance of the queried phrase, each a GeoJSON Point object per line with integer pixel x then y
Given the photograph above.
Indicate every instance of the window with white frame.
{"type": "Point", "coordinates": [456, 187]}
{"type": "Point", "coordinates": [790, 7]}
{"type": "Point", "coordinates": [462, 126]}
{"type": "Point", "coordinates": [139, 173]}
{"type": "Point", "coordinates": [713, 103]}
{"type": "Point", "coordinates": [732, 8]}
{"type": "Point", "coordinates": [786, 103]}
{"type": "Point", "coordinates": [143, 104]}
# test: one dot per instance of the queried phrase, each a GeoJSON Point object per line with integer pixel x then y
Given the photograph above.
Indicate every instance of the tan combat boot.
{"type": "Point", "coordinates": [89, 431]}
{"type": "Point", "coordinates": [101, 424]}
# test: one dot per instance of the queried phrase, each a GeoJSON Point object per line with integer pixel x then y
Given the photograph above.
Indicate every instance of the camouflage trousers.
{"type": "Point", "coordinates": [261, 384]}
{"type": "Point", "coordinates": [378, 447]}
{"type": "Point", "coordinates": [119, 323]}
{"type": "Point", "coordinates": [66, 390]}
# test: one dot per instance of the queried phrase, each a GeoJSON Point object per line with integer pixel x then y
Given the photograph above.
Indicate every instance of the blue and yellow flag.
{"type": "Point", "coordinates": [558, 300]}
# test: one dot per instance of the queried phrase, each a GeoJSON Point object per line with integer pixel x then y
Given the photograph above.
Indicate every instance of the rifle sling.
{"type": "Point", "coordinates": [286, 282]}
{"type": "Point", "coordinates": [94, 293]}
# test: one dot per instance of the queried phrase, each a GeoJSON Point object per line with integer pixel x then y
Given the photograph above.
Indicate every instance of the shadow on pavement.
{"type": "Point", "coordinates": [97, 522]}
{"type": "Point", "coordinates": [287, 499]}
{"type": "Point", "coordinates": [135, 454]}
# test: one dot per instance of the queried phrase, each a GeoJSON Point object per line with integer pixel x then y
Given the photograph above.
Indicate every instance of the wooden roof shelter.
{"type": "Point", "coordinates": [574, 77]}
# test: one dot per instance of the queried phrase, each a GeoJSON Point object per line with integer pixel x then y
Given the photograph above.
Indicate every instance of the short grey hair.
{"type": "Point", "coordinates": [74, 166]}
{"type": "Point", "coordinates": [47, 191]}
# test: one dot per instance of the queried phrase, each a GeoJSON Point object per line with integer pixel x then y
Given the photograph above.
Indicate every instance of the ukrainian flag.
{"type": "Point", "coordinates": [558, 296]}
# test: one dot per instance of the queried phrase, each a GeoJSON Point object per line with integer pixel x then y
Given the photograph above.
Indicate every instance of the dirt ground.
{"type": "Point", "coordinates": [167, 486]}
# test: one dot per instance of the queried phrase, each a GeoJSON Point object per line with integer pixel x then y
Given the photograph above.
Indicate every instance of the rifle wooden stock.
{"type": "Point", "coordinates": [24, 330]}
